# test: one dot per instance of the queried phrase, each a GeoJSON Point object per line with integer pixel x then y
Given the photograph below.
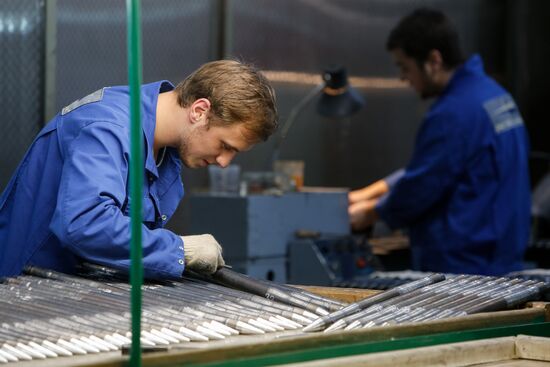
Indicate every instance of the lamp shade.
{"type": "Point", "coordinates": [338, 98]}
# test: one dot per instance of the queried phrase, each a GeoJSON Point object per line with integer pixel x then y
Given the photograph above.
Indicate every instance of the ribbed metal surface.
{"type": "Point", "coordinates": [21, 75]}
{"type": "Point", "coordinates": [306, 35]}
{"type": "Point", "coordinates": [91, 43]}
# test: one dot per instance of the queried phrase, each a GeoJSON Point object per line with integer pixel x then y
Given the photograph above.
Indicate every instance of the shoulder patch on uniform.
{"type": "Point", "coordinates": [503, 113]}
{"type": "Point", "coordinates": [93, 97]}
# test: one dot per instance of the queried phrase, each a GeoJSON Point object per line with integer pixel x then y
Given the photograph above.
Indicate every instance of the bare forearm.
{"type": "Point", "coordinates": [373, 191]}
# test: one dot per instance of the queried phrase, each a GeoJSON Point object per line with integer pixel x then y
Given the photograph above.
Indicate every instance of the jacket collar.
{"type": "Point", "coordinates": [149, 98]}
{"type": "Point", "coordinates": [472, 66]}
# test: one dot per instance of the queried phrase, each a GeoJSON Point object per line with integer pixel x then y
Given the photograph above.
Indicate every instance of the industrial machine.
{"type": "Point", "coordinates": [294, 237]}
{"type": "Point", "coordinates": [255, 229]}
{"type": "Point", "coordinates": [329, 260]}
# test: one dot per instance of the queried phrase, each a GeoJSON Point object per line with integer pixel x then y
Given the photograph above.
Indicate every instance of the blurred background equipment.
{"type": "Point", "coordinates": [255, 229]}
{"type": "Point", "coordinates": [350, 261]}
{"type": "Point", "coordinates": [57, 51]}
{"type": "Point", "coordinates": [337, 99]}
{"type": "Point", "coordinates": [329, 260]}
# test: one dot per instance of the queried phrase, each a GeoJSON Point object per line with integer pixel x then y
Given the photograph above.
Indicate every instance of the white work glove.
{"type": "Point", "coordinates": [203, 253]}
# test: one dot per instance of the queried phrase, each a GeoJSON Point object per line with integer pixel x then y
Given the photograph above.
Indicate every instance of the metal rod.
{"type": "Point", "coordinates": [236, 280]}
{"type": "Point", "coordinates": [321, 323]}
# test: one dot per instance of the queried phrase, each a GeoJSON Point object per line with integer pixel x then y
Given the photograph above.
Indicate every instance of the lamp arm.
{"type": "Point", "coordinates": [298, 108]}
{"type": "Point", "coordinates": [292, 116]}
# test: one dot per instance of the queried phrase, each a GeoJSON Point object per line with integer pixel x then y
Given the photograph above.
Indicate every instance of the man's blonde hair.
{"type": "Point", "coordinates": [238, 93]}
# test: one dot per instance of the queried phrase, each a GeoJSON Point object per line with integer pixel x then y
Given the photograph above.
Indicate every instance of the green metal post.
{"type": "Point", "coordinates": [136, 173]}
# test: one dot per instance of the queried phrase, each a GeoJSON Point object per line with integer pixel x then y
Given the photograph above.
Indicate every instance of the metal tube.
{"type": "Point", "coordinates": [363, 304]}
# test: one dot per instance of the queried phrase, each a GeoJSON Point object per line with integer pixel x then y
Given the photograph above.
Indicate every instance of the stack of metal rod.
{"type": "Point", "coordinates": [542, 275]}
{"type": "Point", "coordinates": [47, 314]}
{"type": "Point", "coordinates": [382, 280]}
{"type": "Point", "coordinates": [431, 298]}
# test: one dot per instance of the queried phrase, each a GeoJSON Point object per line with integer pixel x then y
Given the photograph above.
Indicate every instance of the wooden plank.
{"type": "Point", "coordinates": [454, 354]}
{"type": "Point", "coordinates": [541, 305]}
{"type": "Point", "coordinates": [533, 347]}
{"type": "Point", "coordinates": [515, 363]}
{"type": "Point", "coordinates": [349, 295]}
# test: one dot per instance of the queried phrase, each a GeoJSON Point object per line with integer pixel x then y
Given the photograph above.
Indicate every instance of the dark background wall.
{"type": "Point", "coordinates": [56, 51]}
{"type": "Point", "coordinates": [22, 26]}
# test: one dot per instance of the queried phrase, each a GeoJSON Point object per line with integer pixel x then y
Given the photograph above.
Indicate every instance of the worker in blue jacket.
{"type": "Point", "coordinates": [69, 198]}
{"type": "Point", "coordinates": [464, 195]}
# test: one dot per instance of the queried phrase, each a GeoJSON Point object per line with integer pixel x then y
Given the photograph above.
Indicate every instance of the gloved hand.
{"type": "Point", "coordinates": [203, 253]}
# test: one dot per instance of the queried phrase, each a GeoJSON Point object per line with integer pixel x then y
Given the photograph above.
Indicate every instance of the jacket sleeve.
{"type": "Point", "coordinates": [393, 178]}
{"type": "Point", "coordinates": [88, 218]}
{"type": "Point", "coordinates": [437, 160]}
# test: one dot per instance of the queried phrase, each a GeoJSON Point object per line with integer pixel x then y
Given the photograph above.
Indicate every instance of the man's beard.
{"type": "Point", "coordinates": [183, 151]}
{"type": "Point", "coordinates": [430, 89]}
{"type": "Point", "coordinates": [184, 147]}
{"type": "Point", "coordinates": [428, 93]}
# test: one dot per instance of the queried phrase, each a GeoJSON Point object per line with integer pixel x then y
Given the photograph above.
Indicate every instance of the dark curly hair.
{"type": "Point", "coordinates": [425, 30]}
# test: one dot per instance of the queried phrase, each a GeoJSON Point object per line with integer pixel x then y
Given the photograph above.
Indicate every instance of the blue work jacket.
{"type": "Point", "coordinates": [465, 193]}
{"type": "Point", "coordinates": [69, 198]}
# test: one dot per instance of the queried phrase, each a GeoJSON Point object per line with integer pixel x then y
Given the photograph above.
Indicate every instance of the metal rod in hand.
{"type": "Point", "coordinates": [233, 279]}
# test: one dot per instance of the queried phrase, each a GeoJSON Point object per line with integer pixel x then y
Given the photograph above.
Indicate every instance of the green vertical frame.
{"type": "Point", "coordinates": [136, 173]}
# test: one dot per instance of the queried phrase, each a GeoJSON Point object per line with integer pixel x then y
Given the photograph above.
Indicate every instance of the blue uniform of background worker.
{"type": "Point", "coordinates": [69, 198]}
{"type": "Point", "coordinates": [464, 196]}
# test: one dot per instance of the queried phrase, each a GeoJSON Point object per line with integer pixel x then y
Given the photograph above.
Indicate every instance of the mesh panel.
{"type": "Point", "coordinates": [316, 33]}
{"type": "Point", "coordinates": [21, 73]}
{"type": "Point", "coordinates": [91, 43]}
